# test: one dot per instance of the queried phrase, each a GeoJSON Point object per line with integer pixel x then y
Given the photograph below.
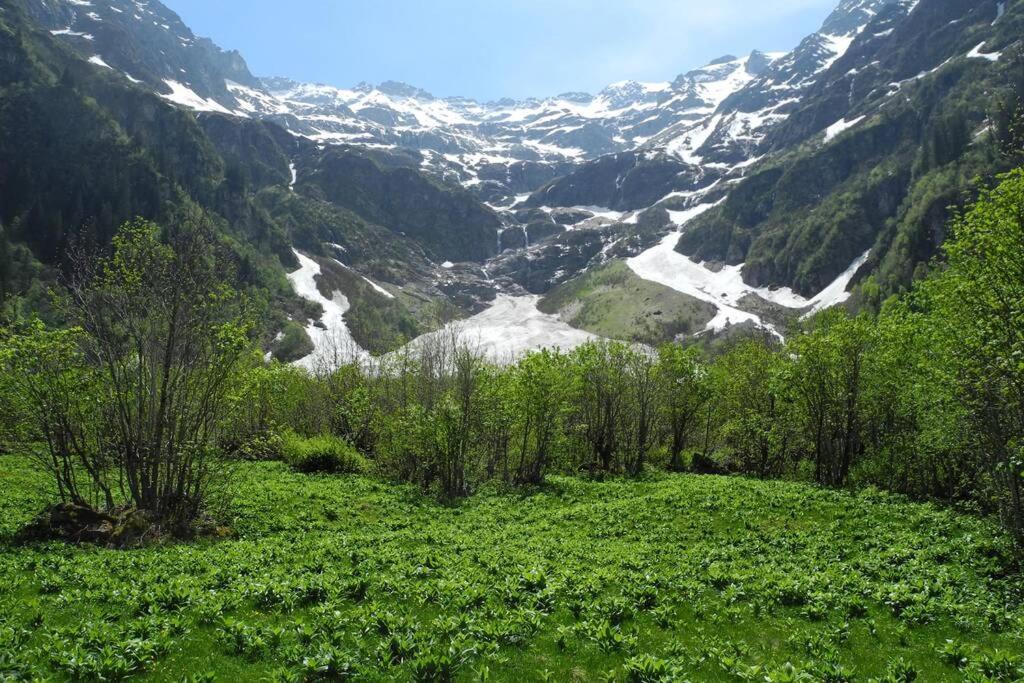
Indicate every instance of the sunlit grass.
{"type": "Point", "coordinates": [669, 578]}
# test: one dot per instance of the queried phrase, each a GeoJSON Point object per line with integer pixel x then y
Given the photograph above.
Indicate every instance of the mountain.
{"type": "Point", "coordinates": [149, 44]}
{"type": "Point", "coordinates": [731, 105]}
{"type": "Point", "coordinates": [85, 149]}
{"type": "Point", "coordinates": [883, 142]}
{"type": "Point", "coordinates": [744, 193]}
{"type": "Point", "coordinates": [864, 136]}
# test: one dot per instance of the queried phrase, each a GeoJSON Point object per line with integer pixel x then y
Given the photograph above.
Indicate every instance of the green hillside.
{"type": "Point", "coordinates": [611, 301]}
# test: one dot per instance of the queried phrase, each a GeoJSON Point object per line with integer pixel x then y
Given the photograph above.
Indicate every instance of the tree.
{"type": "Point", "coordinates": [917, 435]}
{"type": "Point", "coordinates": [539, 387]}
{"type": "Point", "coordinates": [751, 387]}
{"type": "Point", "coordinates": [166, 334]}
{"type": "Point", "coordinates": [457, 423]}
{"type": "Point", "coordinates": [52, 409]}
{"type": "Point", "coordinates": [5, 266]}
{"type": "Point", "coordinates": [600, 384]}
{"type": "Point", "coordinates": [683, 386]}
{"type": "Point", "coordinates": [977, 316]}
{"type": "Point", "coordinates": [643, 401]}
{"type": "Point", "coordinates": [828, 376]}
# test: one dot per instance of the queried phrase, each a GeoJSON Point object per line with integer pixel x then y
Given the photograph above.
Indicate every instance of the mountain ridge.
{"type": "Point", "coordinates": [530, 196]}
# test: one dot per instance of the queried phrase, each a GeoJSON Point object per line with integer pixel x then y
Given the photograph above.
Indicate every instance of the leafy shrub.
{"type": "Point", "coordinates": [1001, 666]}
{"type": "Point", "coordinates": [328, 664]}
{"type": "Point", "coordinates": [266, 445]}
{"type": "Point", "coordinates": [435, 668]}
{"type": "Point", "coordinates": [324, 453]}
{"type": "Point", "coordinates": [649, 669]}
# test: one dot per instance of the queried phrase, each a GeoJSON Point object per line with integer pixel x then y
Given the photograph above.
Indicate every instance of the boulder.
{"type": "Point", "coordinates": [77, 523]}
{"type": "Point", "coordinates": [131, 530]}
{"type": "Point", "coordinates": [70, 522]}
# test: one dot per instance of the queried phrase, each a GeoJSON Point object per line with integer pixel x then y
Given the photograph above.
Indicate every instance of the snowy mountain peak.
{"type": "Point", "coordinates": [724, 59]}
{"type": "Point", "coordinates": [627, 93]}
{"type": "Point", "coordinates": [758, 61]}
{"type": "Point", "coordinates": [715, 114]}
{"type": "Point", "coordinates": [851, 16]}
{"type": "Point", "coordinates": [399, 89]}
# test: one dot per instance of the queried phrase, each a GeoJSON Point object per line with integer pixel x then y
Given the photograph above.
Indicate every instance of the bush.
{"type": "Point", "coordinates": [265, 445]}
{"type": "Point", "coordinates": [322, 454]}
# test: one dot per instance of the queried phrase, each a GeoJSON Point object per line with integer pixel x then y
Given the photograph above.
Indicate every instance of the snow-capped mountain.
{"type": "Point", "coordinates": [712, 117]}
{"type": "Point", "coordinates": [769, 89]}
{"type": "Point", "coordinates": [534, 194]}
{"type": "Point", "coordinates": [503, 148]}
{"type": "Point", "coordinates": [150, 45]}
{"type": "Point", "coordinates": [748, 114]}
{"type": "Point", "coordinates": [473, 140]}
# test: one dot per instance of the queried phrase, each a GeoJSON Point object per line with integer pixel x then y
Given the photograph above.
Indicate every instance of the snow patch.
{"type": "Point", "coordinates": [838, 46]}
{"type": "Point", "coordinates": [836, 293]}
{"type": "Point", "coordinates": [724, 288]}
{"type": "Point", "coordinates": [98, 61]}
{"type": "Point", "coordinates": [377, 288]}
{"type": "Point", "coordinates": [976, 53]}
{"type": "Point", "coordinates": [333, 343]}
{"type": "Point", "coordinates": [186, 97]}
{"type": "Point", "coordinates": [840, 126]}
{"type": "Point", "coordinates": [512, 327]}
{"type": "Point", "coordinates": [69, 32]}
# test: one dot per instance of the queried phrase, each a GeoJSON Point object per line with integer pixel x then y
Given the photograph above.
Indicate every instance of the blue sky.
{"type": "Point", "coordinates": [488, 49]}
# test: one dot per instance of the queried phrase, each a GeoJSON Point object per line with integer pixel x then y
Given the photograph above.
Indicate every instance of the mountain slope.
{"type": "Point", "coordinates": [149, 44]}
{"type": "Point", "coordinates": [784, 179]}
{"type": "Point", "coordinates": [82, 149]}
{"type": "Point", "coordinates": [885, 159]}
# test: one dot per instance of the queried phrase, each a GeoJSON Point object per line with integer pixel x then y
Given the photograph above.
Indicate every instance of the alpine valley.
{"type": "Point", "coordinates": [734, 200]}
{"type": "Point", "coordinates": [715, 379]}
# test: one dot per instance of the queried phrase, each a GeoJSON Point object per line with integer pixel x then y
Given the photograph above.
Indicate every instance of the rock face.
{"type": "Point", "coordinates": [549, 262]}
{"type": "Point", "coordinates": [622, 182]}
{"type": "Point", "coordinates": [878, 150]}
{"type": "Point", "coordinates": [255, 146]}
{"type": "Point", "coordinates": [449, 221]}
{"type": "Point", "coordinates": [148, 42]}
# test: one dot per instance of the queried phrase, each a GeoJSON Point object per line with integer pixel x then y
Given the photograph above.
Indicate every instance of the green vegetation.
{"type": "Point", "coordinates": [437, 517]}
{"type": "Point", "coordinates": [448, 220]}
{"type": "Point", "coordinates": [611, 301]}
{"type": "Point", "coordinates": [94, 151]}
{"type": "Point", "coordinates": [124, 405]}
{"type": "Point", "coordinates": [324, 453]}
{"type": "Point", "coordinates": [924, 399]}
{"type": "Point", "coordinates": [377, 323]}
{"type": "Point", "coordinates": [667, 578]}
{"type": "Point", "coordinates": [293, 344]}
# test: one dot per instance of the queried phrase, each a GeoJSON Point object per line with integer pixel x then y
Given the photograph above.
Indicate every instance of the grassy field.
{"type": "Point", "coordinates": [613, 302]}
{"type": "Point", "coordinates": [669, 578]}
